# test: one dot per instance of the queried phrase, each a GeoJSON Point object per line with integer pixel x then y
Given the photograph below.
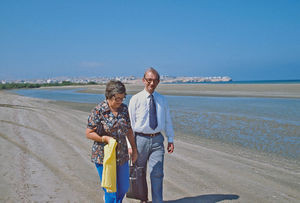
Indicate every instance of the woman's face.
{"type": "Point", "coordinates": [116, 100]}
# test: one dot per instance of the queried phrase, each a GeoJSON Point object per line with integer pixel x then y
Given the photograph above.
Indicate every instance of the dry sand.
{"type": "Point", "coordinates": [45, 157]}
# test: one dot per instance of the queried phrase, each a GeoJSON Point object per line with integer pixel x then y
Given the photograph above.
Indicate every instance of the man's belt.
{"type": "Point", "coordinates": [149, 135]}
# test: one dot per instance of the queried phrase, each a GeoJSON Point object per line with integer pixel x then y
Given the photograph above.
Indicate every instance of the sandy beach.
{"type": "Point", "coordinates": [45, 156]}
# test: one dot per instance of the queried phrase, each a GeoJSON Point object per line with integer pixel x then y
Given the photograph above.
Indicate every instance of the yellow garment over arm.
{"type": "Point", "coordinates": [109, 174]}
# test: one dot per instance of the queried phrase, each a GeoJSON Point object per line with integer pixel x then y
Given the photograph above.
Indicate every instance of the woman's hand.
{"type": "Point", "coordinates": [129, 151]}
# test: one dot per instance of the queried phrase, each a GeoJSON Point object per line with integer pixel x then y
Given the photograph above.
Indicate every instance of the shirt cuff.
{"type": "Point", "coordinates": [171, 139]}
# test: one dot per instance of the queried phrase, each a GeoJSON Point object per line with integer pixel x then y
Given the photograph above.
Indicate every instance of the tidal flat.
{"type": "Point", "coordinates": [46, 157]}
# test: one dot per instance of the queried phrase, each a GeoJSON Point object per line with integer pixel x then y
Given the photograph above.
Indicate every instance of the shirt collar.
{"type": "Point", "coordinates": [147, 94]}
{"type": "Point", "coordinates": [105, 106]}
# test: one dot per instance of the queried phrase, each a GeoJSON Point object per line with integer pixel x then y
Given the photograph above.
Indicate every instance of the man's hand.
{"type": "Point", "coordinates": [170, 147]}
{"type": "Point", "coordinates": [134, 155]}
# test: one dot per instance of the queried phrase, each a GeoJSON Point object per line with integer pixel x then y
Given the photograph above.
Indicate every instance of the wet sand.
{"type": "Point", "coordinates": [45, 157]}
{"type": "Point", "coordinates": [219, 90]}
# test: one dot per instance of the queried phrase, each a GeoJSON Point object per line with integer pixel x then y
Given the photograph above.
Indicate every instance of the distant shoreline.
{"type": "Point", "coordinates": [284, 90]}
{"type": "Point", "coordinates": [295, 81]}
{"type": "Point", "coordinates": [214, 90]}
{"type": "Point", "coordinates": [30, 85]}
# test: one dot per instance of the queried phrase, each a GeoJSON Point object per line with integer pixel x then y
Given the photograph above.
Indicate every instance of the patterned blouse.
{"type": "Point", "coordinates": [108, 124]}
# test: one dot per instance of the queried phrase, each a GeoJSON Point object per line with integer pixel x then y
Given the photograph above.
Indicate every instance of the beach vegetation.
{"type": "Point", "coordinates": [8, 86]}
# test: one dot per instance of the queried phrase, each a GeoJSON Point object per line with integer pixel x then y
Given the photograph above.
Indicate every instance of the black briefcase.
{"type": "Point", "coordinates": [138, 186]}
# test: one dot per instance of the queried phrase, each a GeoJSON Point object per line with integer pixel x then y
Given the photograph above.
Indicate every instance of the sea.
{"type": "Point", "coordinates": [266, 125]}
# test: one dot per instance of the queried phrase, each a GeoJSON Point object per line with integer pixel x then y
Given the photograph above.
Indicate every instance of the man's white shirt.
{"type": "Point", "coordinates": [139, 114]}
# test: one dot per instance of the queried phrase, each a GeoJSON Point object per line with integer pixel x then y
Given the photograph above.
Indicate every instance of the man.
{"type": "Point", "coordinates": [149, 115]}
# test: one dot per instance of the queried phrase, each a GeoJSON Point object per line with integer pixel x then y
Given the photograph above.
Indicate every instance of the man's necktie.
{"type": "Point", "coordinates": [152, 113]}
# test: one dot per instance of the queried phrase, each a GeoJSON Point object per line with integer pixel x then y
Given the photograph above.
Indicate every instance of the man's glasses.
{"type": "Point", "coordinates": [149, 81]}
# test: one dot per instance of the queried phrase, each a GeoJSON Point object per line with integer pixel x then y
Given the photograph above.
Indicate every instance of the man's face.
{"type": "Point", "coordinates": [150, 81]}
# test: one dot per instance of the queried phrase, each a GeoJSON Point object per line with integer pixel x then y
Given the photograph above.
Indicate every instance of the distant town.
{"type": "Point", "coordinates": [124, 79]}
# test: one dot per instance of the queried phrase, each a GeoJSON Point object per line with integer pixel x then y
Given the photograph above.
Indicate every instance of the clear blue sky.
{"type": "Point", "coordinates": [246, 40]}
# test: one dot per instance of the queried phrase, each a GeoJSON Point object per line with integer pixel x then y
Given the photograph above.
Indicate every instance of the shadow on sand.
{"type": "Point", "coordinates": [212, 198]}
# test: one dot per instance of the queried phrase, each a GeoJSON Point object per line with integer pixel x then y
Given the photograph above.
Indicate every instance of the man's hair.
{"type": "Point", "coordinates": [153, 71]}
{"type": "Point", "coordinates": [114, 87]}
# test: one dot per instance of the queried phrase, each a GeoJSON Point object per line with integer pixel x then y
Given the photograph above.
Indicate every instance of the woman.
{"type": "Point", "coordinates": [110, 119]}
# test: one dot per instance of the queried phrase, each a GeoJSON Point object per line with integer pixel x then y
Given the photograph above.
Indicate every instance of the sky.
{"type": "Point", "coordinates": [245, 40]}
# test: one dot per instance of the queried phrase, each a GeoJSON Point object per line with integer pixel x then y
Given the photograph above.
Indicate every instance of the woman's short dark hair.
{"type": "Point", "coordinates": [114, 87]}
